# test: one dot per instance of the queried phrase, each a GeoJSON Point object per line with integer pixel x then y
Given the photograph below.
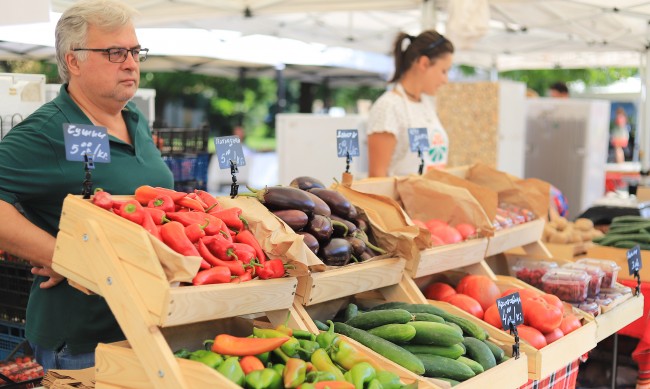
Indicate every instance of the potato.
{"type": "Point", "coordinates": [559, 237]}
{"type": "Point", "coordinates": [576, 236]}
{"type": "Point", "coordinates": [548, 230]}
{"type": "Point", "coordinates": [561, 223]}
{"type": "Point", "coordinates": [584, 224]}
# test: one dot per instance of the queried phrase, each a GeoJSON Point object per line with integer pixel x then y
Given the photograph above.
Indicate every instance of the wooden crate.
{"type": "Point", "coordinates": [618, 315]}
{"type": "Point", "coordinates": [568, 251]}
{"type": "Point", "coordinates": [516, 236]}
{"type": "Point", "coordinates": [447, 257]}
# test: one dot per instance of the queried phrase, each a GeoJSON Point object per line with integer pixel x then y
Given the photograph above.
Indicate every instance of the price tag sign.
{"type": "Point", "coordinates": [418, 139]}
{"type": "Point", "coordinates": [347, 141]}
{"type": "Point", "coordinates": [634, 259]}
{"type": "Point", "coordinates": [85, 139]}
{"type": "Point", "coordinates": [510, 310]}
{"type": "Point", "coordinates": [229, 148]}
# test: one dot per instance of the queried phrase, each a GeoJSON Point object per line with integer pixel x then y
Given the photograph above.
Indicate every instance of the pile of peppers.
{"type": "Point", "coordinates": [195, 224]}
{"type": "Point", "coordinates": [286, 358]}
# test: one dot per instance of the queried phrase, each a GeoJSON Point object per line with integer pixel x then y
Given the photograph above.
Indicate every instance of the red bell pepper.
{"type": "Point", "coordinates": [214, 275]}
{"type": "Point", "coordinates": [103, 199]}
{"type": "Point", "coordinates": [220, 247]}
{"type": "Point", "coordinates": [216, 226]}
{"type": "Point", "coordinates": [173, 234]}
{"type": "Point", "coordinates": [132, 210]}
{"type": "Point", "coordinates": [150, 226]}
{"type": "Point", "coordinates": [146, 193]}
{"type": "Point", "coordinates": [245, 236]}
{"type": "Point", "coordinates": [190, 203]}
{"type": "Point", "coordinates": [273, 268]}
{"type": "Point", "coordinates": [232, 217]}
{"type": "Point", "coordinates": [208, 199]}
{"type": "Point", "coordinates": [157, 215]}
{"type": "Point", "coordinates": [195, 231]}
{"type": "Point", "coordinates": [236, 267]}
{"type": "Point", "coordinates": [162, 202]}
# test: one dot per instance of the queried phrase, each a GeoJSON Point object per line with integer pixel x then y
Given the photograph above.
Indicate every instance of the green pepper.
{"type": "Point", "coordinates": [280, 354]}
{"type": "Point", "coordinates": [375, 384]}
{"type": "Point", "coordinates": [346, 356]}
{"type": "Point", "coordinates": [231, 369]}
{"type": "Point", "coordinates": [302, 334]}
{"type": "Point", "coordinates": [294, 373]}
{"type": "Point", "coordinates": [307, 348]}
{"type": "Point", "coordinates": [207, 357]}
{"type": "Point", "coordinates": [361, 374]}
{"type": "Point", "coordinates": [388, 380]}
{"type": "Point", "coordinates": [290, 347]}
{"type": "Point", "coordinates": [279, 368]}
{"type": "Point", "coordinates": [264, 357]}
{"type": "Point", "coordinates": [307, 385]}
{"type": "Point", "coordinates": [317, 376]}
{"type": "Point", "coordinates": [326, 338]}
{"type": "Point", "coordinates": [322, 362]}
{"type": "Point", "coordinates": [182, 353]}
{"type": "Point", "coordinates": [264, 379]}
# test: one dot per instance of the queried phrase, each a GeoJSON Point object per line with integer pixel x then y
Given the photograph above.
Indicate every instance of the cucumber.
{"type": "Point", "coordinates": [628, 219]}
{"type": "Point", "coordinates": [383, 347]}
{"type": "Point", "coordinates": [455, 326]}
{"type": "Point", "coordinates": [396, 333]}
{"type": "Point", "coordinates": [628, 244]}
{"type": "Point", "coordinates": [389, 305]}
{"type": "Point", "coordinates": [610, 240]}
{"type": "Point", "coordinates": [472, 364]}
{"type": "Point", "coordinates": [437, 366]}
{"type": "Point", "coordinates": [496, 350]}
{"type": "Point", "coordinates": [448, 380]}
{"type": "Point", "coordinates": [422, 316]}
{"type": "Point", "coordinates": [480, 352]}
{"type": "Point", "coordinates": [452, 352]}
{"type": "Point", "coordinates": [437, 334]}
{"type": "Point", "coordinates": [374, 319]}
{"type": "Point", "coordinates": [505, 358]}
{"type": "Point", "coordinates": [629, 228]}
{"type": "Point", "coordinates": [351, 311]}
{"type": "Point", "coordinates": [321, 326]}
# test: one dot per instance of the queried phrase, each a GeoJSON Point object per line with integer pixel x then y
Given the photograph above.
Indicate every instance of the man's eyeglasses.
{"type": "Point", "coordinates": [119, 55]}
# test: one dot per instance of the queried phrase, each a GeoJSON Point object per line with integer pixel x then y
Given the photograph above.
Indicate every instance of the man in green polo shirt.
{"type": "Point", "coordinates": [99, 59]}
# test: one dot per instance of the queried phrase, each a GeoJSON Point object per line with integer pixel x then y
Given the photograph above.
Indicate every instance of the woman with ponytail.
{"type": "Point", "coordinates": [421, 67]}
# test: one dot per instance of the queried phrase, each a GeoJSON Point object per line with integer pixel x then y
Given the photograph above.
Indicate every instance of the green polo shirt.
{"type": "Point", "coordinates": [36, 174]}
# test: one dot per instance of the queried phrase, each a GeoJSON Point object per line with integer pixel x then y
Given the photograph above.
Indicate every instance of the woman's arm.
{"type": "Point", "coordinates": [381, 146]}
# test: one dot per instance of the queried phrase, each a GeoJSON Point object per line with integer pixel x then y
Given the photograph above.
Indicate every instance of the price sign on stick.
{"type": "Point", "coordinates": [86, 140]}
{"type": "Point", "coordinates": [510, 310]}
{"type": "Point", "coordinates": [418, 139]}
{"type": "Point", "coordinates": [229, 149]}
{"type": "Point", "coordinates": [347, 143]}
{"type": "Point", "coordinates": [634, 259]}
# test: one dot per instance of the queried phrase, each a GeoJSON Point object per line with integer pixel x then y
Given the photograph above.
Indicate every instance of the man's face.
{"type": "Point", "coordinates": [107, 80]}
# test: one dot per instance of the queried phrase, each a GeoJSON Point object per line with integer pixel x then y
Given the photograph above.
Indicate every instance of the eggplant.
{"type": "Point", "coordinates": [306, 183]}
{"type": "Point", "coordinates": [296, 219]}
{"type": "Point", "coordinates": [321, 207]}
{"type": "Point", "coordinates": [353, 213]}
{"type": "Point", "coordinates": [337, 252]}
{"type": "Point", "coordinates": [358, 246]}
{"type": "Point", "coordinates": [283, 197]}
{"type": "Point", "coordinates": [339, 205]}
{"type": "Point", "coordinates": [320, 227]}
{"type": "Point", "coordinates": [362, 235]}
{"type": "Point", "coordinates": [361, 224]}
{"type": "Point", "coordinates": [351, 227]}
{"type": "Point", "coordinates": [310, 241]}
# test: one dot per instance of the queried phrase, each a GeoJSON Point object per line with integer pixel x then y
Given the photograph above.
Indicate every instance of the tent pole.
{"type": "Point", "coordinates": [643, 132]}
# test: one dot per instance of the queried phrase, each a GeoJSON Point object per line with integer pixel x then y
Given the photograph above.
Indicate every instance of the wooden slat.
{"type": "Point", "coordinates": [515, 236]}
{"type": "Point", "coordinates": [618, 317]}
{"type": "Point", "coordinates": [443, 258]}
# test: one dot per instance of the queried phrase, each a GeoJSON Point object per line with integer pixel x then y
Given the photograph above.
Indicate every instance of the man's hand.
{"type": "Point", "coordinates": [46, 271]}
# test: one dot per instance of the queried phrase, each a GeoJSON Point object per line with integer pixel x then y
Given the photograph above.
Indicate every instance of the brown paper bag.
{"type": "Point", "coordinates": [425, 199]}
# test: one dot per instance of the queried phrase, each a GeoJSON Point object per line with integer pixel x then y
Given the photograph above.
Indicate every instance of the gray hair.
{"type": "Point", "coordinates": [72, 28]}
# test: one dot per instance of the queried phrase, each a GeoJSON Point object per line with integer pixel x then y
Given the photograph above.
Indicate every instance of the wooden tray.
{"type": "Point", "coordinates": [447, 257]}
{"type": "Point", "coordinates": [567, 251]}
{"type": "Point", "coordinates": [620, 257]}
{"type": "Point", "coordinates": [516, 236]}
{"type": "Point", "coordinates": [618, 315]}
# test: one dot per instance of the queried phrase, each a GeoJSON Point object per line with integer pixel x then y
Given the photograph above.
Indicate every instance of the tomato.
{"type": "Point", "coordinates": [467, 304]}
{"type": "Point", "coordinates": [439, 291]}
{"type": "Point", "coordinates": [466, 230]}
{"type": "Point", "coordinates": [553, 335]}
{"type": "Point", "coordinates": [480, 288]}
{"type": "Point", "coordinates": [432, 224]}
{"type": "Point", "coordinates": [436, 241]}
{"type": "Point", "coordinates": [532, 336]}
{"type": "Point", "coordinates": [541, 315]}
{"type": "Point", "coordinates": [523, 293]}
{"type": "Point", "coordinates": [553, 300]}
{"type": "Point", "coordinates": [492, 317]}
{"type": "Point", "coordinates": [448, 234]}
{"type": "Point", "coordinates": [570, 323]}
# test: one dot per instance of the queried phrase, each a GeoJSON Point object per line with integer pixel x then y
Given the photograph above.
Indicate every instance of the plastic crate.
{"type": "Point", "coordinates": [182, 140]}
{"type": "Point", "coordinates": [15, 283]}
{"type": "Point", "coordinates": [189, 171]}
{"type": "Point", "coordinates": [12, 340]}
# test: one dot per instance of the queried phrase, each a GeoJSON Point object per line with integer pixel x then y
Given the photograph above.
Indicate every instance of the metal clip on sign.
{"type": "Point", "coordinates": [421, 167]}
{"type": "Point", "coordinates": [87, 185]}
{"type": "Point", "coordinates": [348, 159]}
{"type": "Point", "coordinates": [637, 289]}
{"type": "Point", "coordinates": [515, 347]}
{"type": "Point", "coordinates": [234, 187]}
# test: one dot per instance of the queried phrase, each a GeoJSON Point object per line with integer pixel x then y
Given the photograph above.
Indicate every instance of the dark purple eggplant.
{"type": "Point", "coordinates": [306, 183]}
{"type": "Point", "coordinates": [320, 227]}
{"type": "Point", "coordinates": [321, 207]}
{"type": "Point", "coordinates": [339, 205]}
{"type": "Point", "coordinates": [283, 197]}
{"type": "Point", "coordinates": [353, 214]}
{"type": "Point", "coordinates": [310, 241]}
{"type": "Point", "coordinates": [337, 252]}
{"type": "Point", "coordinates": [296, 219]}
{"type": "Point", "coordinates": [339, 230]}
{"type": "Point", "coordinates": [358, 246]}
{"type": "Point", "coordinates": [361, 224]}
{"type": "Point", "coordinates": [366, 255]}
{"type": "Point", "coordinates": [351, 227]}
{"type": "Point", "coordinates": [362, 235]}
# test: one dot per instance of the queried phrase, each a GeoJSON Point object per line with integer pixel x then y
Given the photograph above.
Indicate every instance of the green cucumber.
{"type": "Point", "coordinates": [389, 305]}
{"type": "Point", "coordinates": [321, 326]}
{"type": "Point", "coordinates": [438, 334]}
{"type": "Point", "coordinates": [469, 328]}
{"type": "Point", "coordinates": [452, 352]}
{"type": "Point", "coordinates": [351, 311]}
{"type": "Point", "coordinates": [374, 319]}
{"type": "Point", "coordinates": [448, 380]}
{"type": "Point", "coordinates": [505, 358]}
{"type": "Point", "coordinates": [472, 364]}
{"type": "Point", "coordinates": [455, 326]}
{"type": "Point", "coordinates": [383, 347]}
{"type": "Point", "coordinates": [422, 316]}
{"type": "Point", "coordinates": [496, 350]}
{"type": "Point", "coordinates": [396, 333]}
{"type": "Point", "coordinates": [480, 352]}
{"type": "Point", "coordinates": [437, 366]}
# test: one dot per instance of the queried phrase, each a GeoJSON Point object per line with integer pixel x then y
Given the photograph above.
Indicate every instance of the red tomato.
{"type": "Point", "coordinates": [541, 315]}
{"type": "Point", "coordinates": [491, 316]}
{"type": "Point", "coordinates": [480, 288]}
{"type": "Point", "coordinates": [523, 293]}
{"type": "Point", "coordinates": [432, 224]}
{"type": "Point", "coordinates": [467, 304]}
{"type": "Point", "coordinates": [448, 234]}
{"type": "Point", "coordinates": [553, 300]}
{"type": "Point", "coordinates": [435, 241]}
{"type": "Point", "coordinates": [466, 230]}
{"type": "Point", "coordinates": [570, 323]}
{"type": "Point", "coordinates": [553, 335]}
{"type": "Point", "coordinates": [439, 291]}
{"type": "Point", "coordinates": [532, 336]}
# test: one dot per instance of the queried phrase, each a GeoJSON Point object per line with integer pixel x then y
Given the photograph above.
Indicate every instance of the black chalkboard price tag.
{"type": "Point", "coordinates": [510, 310]}
{"type": "Point", "coordinates": [86, 140]}
{"type": "Point", "coordinates": [418, 139]}
{"type": "Point", "coordinates": [634, 259]}
{"type": "Point", "coordinates": [229, 149]}
{"type": "Point", "coordinates": [347, 143]}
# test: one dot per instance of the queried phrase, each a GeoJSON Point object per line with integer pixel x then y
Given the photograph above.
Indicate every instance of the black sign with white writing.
{"type": "Point", "coordinates": [85, 139]}
{"type": "Point", "coordinates": [510, 310]}
{"type": "Point", "coordinates": [229, 149]}
{"type": "Point", "coordinates": [634, 259]}
{"type": "Point", "coordinates": [347, 141]}
{"type": "Point", "coordinates": [419, 139]}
